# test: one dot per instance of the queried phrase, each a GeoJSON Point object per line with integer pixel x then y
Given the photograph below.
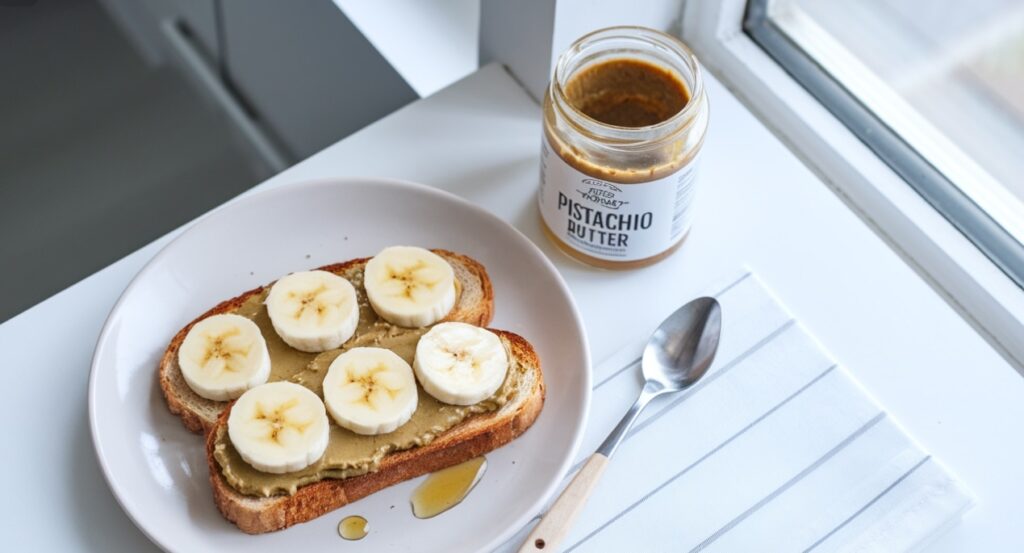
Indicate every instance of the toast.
{"type": "Point", "coordinates": [475, 436]}
{"type": "Point", "coordinates": [475, 305]}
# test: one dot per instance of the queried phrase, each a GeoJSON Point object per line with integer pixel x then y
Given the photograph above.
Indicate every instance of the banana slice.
{"type": "Point", "coordinates": [410, 286]}
{"type": "Point", "coordinates": [279, 427]}
{"type": "Point", "coordinates": [222, 356]}
{"type": "Point", "coordinates": [370, 391]}
{"type": "Point", "coordinates": [313, 310]}
{"type": "Point", "coordinates": [460, 364]}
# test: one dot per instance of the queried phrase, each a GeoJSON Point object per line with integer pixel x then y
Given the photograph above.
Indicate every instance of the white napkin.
{"type": "Point", "coordinates": [776, 449]}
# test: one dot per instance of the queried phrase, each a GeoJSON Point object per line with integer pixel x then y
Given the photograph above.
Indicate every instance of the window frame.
{"type": "Point", "coordinates": [988, 299]}
{"type": "Point", "coordinates": [938, 190]}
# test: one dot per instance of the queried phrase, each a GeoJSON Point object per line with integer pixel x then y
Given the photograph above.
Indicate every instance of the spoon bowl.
{"type": "Point", "coordinates": [683, 347]}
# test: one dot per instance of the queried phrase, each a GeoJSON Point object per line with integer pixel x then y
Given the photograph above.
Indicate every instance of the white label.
{"type": "Point", "coordinates": [608, 220]}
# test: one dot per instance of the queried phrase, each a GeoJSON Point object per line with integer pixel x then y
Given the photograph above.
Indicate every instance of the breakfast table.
{"type": "Point", "coordinates": [758, 209]}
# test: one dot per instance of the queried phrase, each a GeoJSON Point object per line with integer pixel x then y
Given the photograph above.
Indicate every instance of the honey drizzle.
{"type": "Point", "coordinates": [353, 528]}
{"type": "Point", "coordinates": [447, 488]}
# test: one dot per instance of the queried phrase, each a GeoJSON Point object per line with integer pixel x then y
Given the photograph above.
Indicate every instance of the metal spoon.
{"type": "Point", "coordinates": [677, 356]}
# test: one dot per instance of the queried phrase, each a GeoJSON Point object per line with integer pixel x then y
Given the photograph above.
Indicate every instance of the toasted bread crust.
{"type": "Point", "coordinates": [475, 436]}
{"type": "Point", "coordinates": [188, 407]}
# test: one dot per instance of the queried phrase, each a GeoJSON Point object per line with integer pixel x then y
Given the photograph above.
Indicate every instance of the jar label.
{"type": "Point", "coordinates": [613, 221]}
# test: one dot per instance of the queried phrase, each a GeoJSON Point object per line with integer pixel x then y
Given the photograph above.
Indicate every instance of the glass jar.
{"type": "Point", "coordinates": [624, 120]}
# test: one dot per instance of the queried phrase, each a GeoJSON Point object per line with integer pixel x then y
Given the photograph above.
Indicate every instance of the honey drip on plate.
{"type": "Point", "coordinates": [447, 488]}
{"type": "Point", "coordinates": [352, 527]}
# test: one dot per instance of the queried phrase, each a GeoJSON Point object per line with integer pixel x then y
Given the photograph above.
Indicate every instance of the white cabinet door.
{"type": "Point", "coordinates": [308, 74]}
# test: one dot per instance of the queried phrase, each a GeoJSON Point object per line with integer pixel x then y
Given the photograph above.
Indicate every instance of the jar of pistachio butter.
{"type": "Point", "coordinates": [624, 120]}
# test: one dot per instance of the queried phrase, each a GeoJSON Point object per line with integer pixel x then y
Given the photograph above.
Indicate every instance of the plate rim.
{"type": "Point", "coordinates": [256, 194]}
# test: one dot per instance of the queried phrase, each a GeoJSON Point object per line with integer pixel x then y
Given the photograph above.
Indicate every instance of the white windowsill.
{"type": "Point", "coordinates": [954, 267]}
{"type": "Point", "coordinates": [483, 147]}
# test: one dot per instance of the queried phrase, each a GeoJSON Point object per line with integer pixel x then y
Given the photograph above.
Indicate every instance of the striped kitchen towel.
{"type": "Point", "coordinates": [776, 449]}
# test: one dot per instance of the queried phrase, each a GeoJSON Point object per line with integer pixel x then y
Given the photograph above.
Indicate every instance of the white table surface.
{"type": "Point", "coordinates": [758, 207]}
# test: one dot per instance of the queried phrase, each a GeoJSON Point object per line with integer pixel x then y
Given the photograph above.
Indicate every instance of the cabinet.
{"type": "Point", "coordinates": [296, 76]}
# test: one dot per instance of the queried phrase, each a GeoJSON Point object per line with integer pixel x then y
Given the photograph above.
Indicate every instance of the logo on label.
{"type": "Point", "coordinates": [601, 193]}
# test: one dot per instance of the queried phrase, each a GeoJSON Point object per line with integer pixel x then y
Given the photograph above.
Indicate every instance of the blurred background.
{"type": "Point", "coordinates": [124, 119]}
{"type": "Point", "coordinates": [947, 75]}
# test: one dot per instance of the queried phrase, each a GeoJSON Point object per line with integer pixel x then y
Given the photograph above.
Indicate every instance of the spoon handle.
{"type": "Point", "coordinates": [551, 529]}
{"type": "Point", "coordinates": [615, 437]}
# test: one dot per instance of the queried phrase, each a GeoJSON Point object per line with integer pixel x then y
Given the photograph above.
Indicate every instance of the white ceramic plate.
{"type": "Point", "coordinates": [157, 469]}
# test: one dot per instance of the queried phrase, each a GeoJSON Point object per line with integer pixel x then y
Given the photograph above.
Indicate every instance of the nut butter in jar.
{"type": "Point", "coordinates": [624, 120]}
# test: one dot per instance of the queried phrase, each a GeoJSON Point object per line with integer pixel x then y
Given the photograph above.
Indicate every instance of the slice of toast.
{"type": "Point", "coordinates": [474, 436]}
{"type": "Point", "coordinates": [475, 305]}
